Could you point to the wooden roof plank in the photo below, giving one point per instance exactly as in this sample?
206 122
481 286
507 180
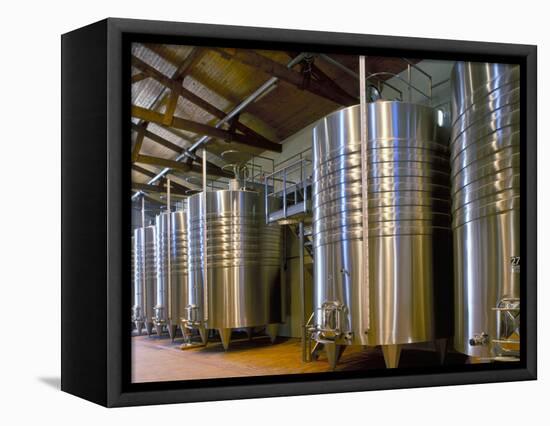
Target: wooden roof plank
202 129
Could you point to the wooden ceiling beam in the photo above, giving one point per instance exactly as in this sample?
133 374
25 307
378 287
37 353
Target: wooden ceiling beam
158 139
156 188
187 65
151 174
202 129
166 143
176 85
180 166
138 77
275 69
325 79
172 103
141 128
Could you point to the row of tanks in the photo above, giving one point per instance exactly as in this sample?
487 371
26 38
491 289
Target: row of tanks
432 206
384 255
215 265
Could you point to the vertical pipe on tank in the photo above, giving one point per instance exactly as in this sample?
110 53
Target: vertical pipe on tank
364 177
302 290
143 285
169 246
204 239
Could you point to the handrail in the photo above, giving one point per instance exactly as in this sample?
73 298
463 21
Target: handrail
282 174
411 86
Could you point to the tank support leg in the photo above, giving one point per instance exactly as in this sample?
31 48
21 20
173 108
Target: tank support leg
341 349
139 326
203 332
158 329
315 351
334 352
225 336
249 331
391 355
440 346
271 330
172 328
149 328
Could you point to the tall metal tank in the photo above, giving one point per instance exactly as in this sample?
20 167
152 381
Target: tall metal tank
242 288
408 208
171 269
145 281
485 150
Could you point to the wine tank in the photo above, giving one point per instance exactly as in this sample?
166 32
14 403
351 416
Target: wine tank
171 270
408 228
145 278
242 287
485 159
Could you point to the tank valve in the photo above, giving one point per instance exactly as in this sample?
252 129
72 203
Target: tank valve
479 339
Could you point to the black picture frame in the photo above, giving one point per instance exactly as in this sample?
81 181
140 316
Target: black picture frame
96 211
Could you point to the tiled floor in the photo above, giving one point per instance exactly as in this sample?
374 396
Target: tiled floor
159 359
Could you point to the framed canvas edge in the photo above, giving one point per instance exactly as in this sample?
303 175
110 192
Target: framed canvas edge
116 396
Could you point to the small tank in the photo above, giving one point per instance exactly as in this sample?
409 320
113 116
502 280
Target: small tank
485 162
242 287
145 278
171 270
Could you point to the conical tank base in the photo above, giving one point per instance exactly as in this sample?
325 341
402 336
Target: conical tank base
149 328
225 336
203 333
440 346
172 328
334 353
392 353
139 326
272 330
158 329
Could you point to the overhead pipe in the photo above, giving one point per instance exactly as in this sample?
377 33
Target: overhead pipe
352 73
251 98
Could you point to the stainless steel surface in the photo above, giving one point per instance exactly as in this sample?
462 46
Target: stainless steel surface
409 224
132 281
409 221
243 259
145 282
364 177
486 199
337 220
171 269
304 337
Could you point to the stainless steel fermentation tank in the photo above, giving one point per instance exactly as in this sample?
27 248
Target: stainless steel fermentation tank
243 256
485 150
408 230
145 280
171 269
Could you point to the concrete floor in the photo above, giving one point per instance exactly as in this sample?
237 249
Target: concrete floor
158 359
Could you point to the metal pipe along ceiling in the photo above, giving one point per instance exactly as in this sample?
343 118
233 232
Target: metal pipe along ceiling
259 91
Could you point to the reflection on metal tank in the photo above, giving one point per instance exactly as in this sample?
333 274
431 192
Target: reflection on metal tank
144 278
171 294
243 277
132 279
408 208
409 223
486 207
